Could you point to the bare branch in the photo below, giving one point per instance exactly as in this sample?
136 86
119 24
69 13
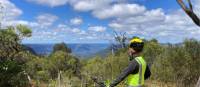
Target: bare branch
181 3
190 4
189 11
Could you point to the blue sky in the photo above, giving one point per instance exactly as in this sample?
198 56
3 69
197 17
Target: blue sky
93 21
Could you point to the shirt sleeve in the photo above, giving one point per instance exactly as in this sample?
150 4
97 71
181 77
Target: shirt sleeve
147 73
132 67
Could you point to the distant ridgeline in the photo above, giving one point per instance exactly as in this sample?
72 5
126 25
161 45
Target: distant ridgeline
79 50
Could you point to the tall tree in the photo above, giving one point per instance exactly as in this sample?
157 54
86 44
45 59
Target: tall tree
10 39
13 57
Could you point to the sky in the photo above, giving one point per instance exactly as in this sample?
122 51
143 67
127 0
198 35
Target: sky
95 21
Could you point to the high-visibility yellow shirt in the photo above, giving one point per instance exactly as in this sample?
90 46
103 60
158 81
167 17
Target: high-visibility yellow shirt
137 80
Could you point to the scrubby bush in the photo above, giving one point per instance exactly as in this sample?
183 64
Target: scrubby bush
13 57
178 64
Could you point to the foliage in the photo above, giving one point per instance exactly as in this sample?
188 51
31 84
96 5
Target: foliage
105 68
10 73
152 49
8 43
10 40
59 64
12 59
170 63
24 31
178 63
61 47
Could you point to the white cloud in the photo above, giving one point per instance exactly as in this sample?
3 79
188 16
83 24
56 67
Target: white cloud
74 33
97 28
76 21
46 20
69 30
17 22
87 5
132 18
9 14
79 5
171 27
52 3
115 25
34 24
197 7
76 30
119 10
62 25
10 11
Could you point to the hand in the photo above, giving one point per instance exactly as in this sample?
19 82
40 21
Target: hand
131 51
101 84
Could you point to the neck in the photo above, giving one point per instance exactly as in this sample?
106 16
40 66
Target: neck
137 54
134 56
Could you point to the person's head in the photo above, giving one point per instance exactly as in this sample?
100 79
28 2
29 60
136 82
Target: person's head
135 46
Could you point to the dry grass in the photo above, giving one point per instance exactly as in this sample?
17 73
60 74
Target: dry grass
159 84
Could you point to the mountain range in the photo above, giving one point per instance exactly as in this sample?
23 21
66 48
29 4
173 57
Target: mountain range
79 50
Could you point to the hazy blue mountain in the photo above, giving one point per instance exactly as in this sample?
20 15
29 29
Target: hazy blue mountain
79 50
